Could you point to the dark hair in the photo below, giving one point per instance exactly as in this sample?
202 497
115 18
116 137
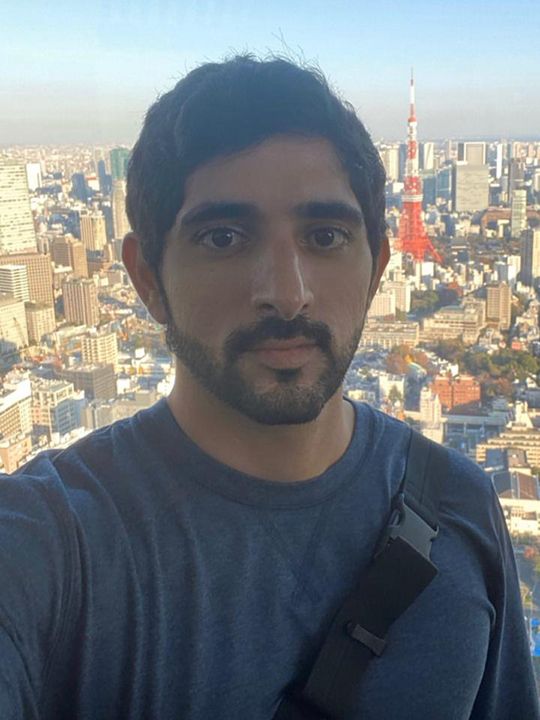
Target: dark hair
222 108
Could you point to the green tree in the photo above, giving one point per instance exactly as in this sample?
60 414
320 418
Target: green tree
451 350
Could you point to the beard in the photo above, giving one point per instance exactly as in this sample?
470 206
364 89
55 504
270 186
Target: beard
291 402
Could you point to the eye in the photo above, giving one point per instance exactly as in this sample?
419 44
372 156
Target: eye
221 238
329 238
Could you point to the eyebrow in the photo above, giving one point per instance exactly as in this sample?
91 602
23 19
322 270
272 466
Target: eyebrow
313 210
219 211
318 210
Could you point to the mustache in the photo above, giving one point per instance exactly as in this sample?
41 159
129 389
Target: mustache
275 328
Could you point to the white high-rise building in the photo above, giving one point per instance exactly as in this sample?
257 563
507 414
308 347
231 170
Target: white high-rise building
120 220
428 156
390 160
431 423
382 305
100 347
17 233
518 212
33 176
93 231
470 187
14 281
473 153
499 158
402 293
40 320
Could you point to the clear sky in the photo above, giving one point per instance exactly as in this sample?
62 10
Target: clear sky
86 72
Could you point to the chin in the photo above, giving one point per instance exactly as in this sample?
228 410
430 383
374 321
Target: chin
295 405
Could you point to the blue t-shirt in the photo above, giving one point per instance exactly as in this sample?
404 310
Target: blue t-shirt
140 578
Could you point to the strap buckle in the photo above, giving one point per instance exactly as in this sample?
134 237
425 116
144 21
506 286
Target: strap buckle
408 525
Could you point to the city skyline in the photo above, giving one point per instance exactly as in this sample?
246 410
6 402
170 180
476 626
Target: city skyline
79 76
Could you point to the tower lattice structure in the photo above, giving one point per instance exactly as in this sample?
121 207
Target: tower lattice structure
412 237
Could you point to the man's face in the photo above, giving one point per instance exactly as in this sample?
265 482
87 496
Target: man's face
265 279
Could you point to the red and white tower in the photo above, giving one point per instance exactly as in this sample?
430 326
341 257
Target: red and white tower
413 238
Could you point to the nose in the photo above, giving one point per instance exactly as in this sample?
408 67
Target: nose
280 282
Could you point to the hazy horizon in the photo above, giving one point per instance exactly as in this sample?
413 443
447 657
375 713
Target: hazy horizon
87 75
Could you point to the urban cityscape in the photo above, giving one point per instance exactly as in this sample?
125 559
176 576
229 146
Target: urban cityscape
451 343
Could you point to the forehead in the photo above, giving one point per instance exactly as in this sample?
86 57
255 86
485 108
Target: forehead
279 173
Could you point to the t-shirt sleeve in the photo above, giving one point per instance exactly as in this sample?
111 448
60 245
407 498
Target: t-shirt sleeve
34 584
508 689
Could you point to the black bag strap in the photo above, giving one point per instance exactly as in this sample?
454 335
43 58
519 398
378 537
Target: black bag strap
400 570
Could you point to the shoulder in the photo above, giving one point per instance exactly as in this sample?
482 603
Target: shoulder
463 476
468 498
57 488
95 457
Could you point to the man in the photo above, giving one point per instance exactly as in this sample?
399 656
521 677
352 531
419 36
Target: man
187 562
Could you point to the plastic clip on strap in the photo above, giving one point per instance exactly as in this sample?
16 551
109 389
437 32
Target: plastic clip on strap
400 571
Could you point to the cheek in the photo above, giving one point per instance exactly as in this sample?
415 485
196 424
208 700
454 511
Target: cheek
203 304
347 304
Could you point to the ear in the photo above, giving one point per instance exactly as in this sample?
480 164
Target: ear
382 261
143 277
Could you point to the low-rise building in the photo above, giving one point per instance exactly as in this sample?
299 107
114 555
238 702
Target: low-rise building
454 322
378 333
455 391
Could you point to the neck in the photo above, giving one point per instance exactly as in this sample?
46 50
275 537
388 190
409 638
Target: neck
273 452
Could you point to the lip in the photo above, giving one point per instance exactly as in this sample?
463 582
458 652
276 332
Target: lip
285 354
291 344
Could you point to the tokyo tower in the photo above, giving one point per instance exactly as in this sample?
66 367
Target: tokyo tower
412 237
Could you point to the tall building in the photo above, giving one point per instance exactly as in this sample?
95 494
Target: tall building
473 153
104 178
40 320
499 160
427 156
390 159
14 281
70 252
402 292
17 233
530 257
518 212
516 175
80 301
106 208
119 161
33 176
429 184
470 187
100 347
120 219
93 231
431 423
499 305
444 183
79 187
13 330
402 154
39 270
